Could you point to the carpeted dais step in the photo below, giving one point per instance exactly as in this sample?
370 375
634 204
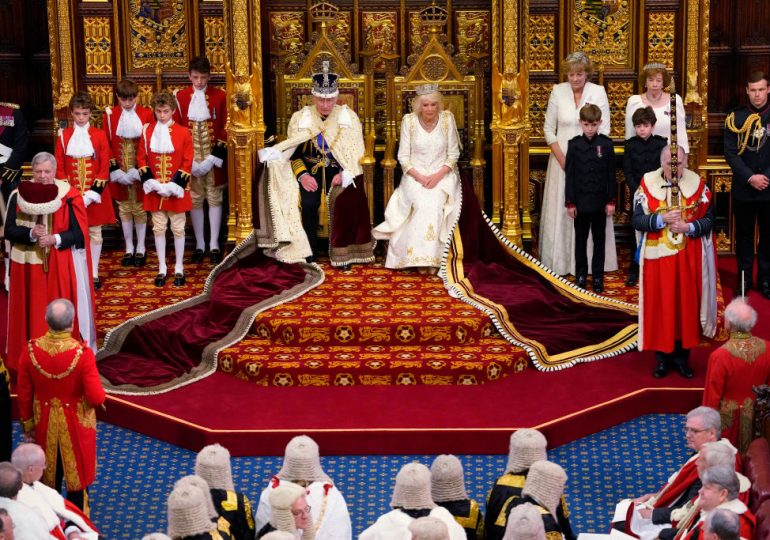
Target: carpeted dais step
262 362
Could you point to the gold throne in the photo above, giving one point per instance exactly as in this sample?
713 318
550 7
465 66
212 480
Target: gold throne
434 62
356 91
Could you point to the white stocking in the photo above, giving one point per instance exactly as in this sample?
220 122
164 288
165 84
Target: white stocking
179 252
215 222
128 234
141 232
160 248
196 215
96 253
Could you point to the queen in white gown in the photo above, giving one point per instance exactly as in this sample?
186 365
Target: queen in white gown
556 246
425 206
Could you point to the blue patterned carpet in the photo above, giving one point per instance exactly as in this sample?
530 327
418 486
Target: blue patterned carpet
136 474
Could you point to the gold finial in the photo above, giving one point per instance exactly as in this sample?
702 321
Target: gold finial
324 12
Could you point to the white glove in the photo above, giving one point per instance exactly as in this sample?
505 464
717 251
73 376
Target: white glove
118 176
173 190
151 185
205 166
132 175
269 153
348 179
91 196
217 162
195 170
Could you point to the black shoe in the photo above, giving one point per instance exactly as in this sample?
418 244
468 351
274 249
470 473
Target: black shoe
97 284
310 259
179 280
197 256
215 256
127 260
660 371
684 370
632 280
581 281
598 285
140 259
345 267
160 280
764 289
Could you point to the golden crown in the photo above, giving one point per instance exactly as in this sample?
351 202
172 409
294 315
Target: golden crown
434 16
324 11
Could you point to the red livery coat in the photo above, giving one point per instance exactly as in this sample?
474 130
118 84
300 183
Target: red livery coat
58 389
110 120
88 173
164 166
216 99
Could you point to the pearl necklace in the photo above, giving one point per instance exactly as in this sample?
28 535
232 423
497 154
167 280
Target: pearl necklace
654 102
426 127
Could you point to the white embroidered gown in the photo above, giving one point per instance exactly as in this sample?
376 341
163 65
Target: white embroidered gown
557 230
418 221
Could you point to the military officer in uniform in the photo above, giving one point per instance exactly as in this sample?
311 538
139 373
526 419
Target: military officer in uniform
13 146
748 154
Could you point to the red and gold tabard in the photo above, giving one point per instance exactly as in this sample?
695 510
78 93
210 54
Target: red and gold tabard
164 166
88 173
124 150
733 369
59 387
209 133
672 273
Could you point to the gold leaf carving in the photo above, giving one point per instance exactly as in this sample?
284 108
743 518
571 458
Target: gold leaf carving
214 40
98 45
542 42
287 34
603 31
617 94
158 33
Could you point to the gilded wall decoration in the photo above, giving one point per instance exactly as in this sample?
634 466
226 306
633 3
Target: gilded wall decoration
380 33
472 31
418 34
214 42
145 94
542 42
660 37
158 33
287 33
98 45
341 32
102 96
603 31
380 108
618 93
536 187
538 103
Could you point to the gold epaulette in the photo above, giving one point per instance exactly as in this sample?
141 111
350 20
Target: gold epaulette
9 105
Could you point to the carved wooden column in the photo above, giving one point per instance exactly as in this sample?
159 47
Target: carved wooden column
60 40
246 126
695 85
389 161
510 119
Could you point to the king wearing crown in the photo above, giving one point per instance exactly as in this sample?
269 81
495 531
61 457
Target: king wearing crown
322 154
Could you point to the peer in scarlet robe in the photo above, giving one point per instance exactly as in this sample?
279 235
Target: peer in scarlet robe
739 364
746 520
58 388
40 275
677 295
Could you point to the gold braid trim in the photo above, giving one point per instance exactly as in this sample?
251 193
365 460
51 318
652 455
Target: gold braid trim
47 375
753 122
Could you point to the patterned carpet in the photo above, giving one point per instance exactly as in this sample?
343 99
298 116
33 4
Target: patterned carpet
128 498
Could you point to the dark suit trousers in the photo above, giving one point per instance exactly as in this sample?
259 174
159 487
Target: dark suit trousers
595 222
747 213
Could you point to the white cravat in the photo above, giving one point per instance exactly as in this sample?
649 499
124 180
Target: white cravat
80 143
199 109
129 124
160 143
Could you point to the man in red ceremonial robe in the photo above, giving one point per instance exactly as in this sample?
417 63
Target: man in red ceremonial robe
739 364
203 109
83 159
164 158
701 426
58 388
46 225
677 293
123 125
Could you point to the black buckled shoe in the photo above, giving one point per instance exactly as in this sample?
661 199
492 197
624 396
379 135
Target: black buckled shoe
140 259
581 281
764 289
160 280
598 285
215 256
97 284
127 260
197 256
179 280
684 370
660 371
